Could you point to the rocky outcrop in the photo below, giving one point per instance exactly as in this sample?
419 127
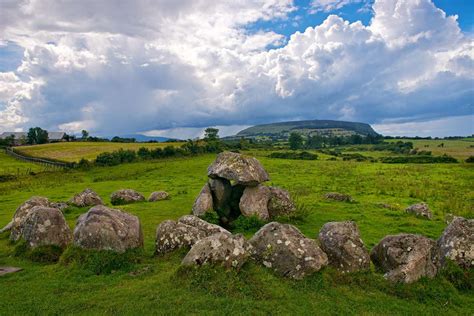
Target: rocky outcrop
172 235
406 257
457 243
285 250
45 226
345 249
103 228
22 212
420 210
254 202
239 168
221 249
280 203
86 198
340 197
203 202
158 196
126 196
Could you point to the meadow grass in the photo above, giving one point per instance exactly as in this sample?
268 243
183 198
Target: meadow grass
457 148
75 151
12 166
159 286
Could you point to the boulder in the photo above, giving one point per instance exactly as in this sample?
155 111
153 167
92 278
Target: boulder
59 205
457 243
222 249
420 209
280 203
203 202
86 198
158 196
254 202
345 249
45 226
283 248
22 212
221 192
172 235
338 197
126 196
238 168
103 228
406 257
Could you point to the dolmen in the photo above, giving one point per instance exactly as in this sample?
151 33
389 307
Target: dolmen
235 187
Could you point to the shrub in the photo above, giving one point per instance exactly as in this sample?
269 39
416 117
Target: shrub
304 155
470 159
246 224
144 153
419 159
211 217
84 164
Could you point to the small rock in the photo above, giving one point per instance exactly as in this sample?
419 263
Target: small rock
103 228
203 203
126 196
338 197
280 203
420 209
219 249
283 248
158 196
457 243
406 257
86 198
7 270
254 201
345 249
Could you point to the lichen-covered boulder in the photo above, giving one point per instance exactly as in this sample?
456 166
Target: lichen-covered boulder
345 249
126 196
172 235
158 196
22 212
45 226
59 205
280 203
406 257
239 168
340 197
88 197
283 248
420 209
203 202
457 243
103 228
229 251
254 202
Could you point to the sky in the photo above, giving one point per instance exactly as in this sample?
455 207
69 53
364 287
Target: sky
174 67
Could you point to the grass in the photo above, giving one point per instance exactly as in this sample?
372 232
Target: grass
91 284
12 166
459 148
74 151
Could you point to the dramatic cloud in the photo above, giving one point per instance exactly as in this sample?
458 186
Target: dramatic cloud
127 66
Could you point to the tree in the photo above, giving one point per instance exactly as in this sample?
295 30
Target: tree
85 134
211 134
296 141
37 135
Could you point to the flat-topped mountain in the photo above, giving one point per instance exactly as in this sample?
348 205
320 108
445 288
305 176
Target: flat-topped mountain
308 128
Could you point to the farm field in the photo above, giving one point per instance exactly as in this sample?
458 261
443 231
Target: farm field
158 286
458 148
12 166
74 151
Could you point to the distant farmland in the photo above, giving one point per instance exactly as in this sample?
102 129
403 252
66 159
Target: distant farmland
458 148
75 151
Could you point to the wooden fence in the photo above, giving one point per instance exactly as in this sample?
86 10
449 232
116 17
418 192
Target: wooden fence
45 162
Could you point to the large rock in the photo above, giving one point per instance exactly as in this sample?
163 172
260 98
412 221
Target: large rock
103 228
219 249
172 235
158 196
239 168
203 202
221 192
406 257
126 196
345 249
457 243
22 212
341 197
254 202
44 226
280 203
283 248
420 209
86 198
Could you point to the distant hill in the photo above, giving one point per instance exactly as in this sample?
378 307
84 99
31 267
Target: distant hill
309 128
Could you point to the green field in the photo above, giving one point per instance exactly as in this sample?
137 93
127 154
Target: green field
74 151
161 288
460 148
12 166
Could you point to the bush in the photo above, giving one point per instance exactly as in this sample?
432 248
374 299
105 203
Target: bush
246 224
304 155
419 159
211 217
144 153
84 164
470 159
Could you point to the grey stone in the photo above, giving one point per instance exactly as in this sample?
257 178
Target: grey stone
203 202
22 212
158 196
7 270
457 243
420 209
280 203
86 198
335 196
126 196
254 202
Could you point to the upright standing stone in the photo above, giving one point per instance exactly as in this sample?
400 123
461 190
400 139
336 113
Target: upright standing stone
457 243
203 202
254 202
